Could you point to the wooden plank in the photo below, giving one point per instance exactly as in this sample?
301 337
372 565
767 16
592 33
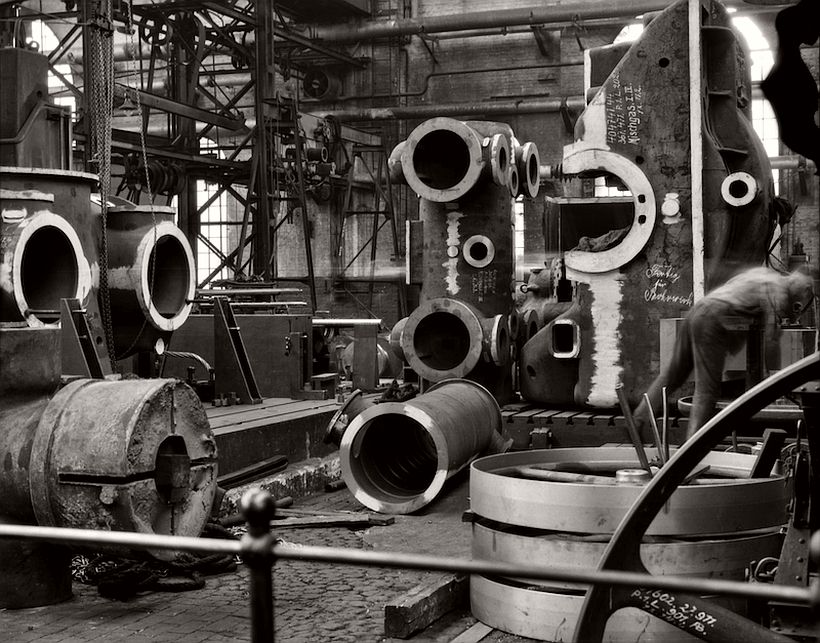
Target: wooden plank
425 603
473 634
268 403
296 409
272 420
333 520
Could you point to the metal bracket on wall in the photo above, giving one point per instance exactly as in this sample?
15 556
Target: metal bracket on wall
79 350
233 368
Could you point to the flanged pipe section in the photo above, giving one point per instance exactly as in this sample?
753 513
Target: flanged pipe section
528 163
739 189
396 456
355 404
151 277
497 339
144 461
497 158
442 159
41 259
443 338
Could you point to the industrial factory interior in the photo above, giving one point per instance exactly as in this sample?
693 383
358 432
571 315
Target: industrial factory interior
442 321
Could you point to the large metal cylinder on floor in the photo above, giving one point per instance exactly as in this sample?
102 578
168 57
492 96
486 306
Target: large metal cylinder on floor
714 530
129 455
151 276
396 456
41 259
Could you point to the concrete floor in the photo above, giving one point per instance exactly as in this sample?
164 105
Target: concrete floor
312 602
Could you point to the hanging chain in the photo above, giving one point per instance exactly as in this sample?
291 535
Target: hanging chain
136 48
100 87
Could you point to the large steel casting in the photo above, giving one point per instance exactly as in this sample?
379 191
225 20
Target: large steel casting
695 206
41 259
151 276
128 455
461 249
396 456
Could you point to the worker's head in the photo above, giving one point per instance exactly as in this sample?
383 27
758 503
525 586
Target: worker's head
801 293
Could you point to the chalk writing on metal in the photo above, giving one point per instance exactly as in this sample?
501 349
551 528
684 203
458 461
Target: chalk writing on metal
682 614
624 112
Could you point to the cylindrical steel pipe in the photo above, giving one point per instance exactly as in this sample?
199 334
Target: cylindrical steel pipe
41 259
396 456
151 276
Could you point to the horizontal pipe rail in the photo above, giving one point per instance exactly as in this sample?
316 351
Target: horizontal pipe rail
243 292
396 560
345 323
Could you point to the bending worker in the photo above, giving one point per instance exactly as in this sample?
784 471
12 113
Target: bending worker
757 295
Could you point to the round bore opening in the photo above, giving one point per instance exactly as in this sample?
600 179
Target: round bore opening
502 159
663 62
168 277
479 251
441 159
738 189
441 341
172 470
532 170
48 273
397 457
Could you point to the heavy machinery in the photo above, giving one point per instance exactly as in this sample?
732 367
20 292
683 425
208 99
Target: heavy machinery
83 446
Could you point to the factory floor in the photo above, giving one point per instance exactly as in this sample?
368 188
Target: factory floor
313 602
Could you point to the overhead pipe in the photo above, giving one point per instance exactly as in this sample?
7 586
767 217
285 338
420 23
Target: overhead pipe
396 456
534 16
472 110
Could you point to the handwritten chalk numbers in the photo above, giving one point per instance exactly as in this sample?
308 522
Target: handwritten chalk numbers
686 616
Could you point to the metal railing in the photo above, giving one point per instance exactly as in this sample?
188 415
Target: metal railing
259 551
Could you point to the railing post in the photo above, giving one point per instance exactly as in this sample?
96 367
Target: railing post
257 546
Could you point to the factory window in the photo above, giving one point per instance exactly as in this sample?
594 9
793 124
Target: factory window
518 237
42 39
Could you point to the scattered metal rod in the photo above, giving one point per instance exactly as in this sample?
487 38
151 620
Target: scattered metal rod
400 560
535 473
692 476
633 431
654 424
665 433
